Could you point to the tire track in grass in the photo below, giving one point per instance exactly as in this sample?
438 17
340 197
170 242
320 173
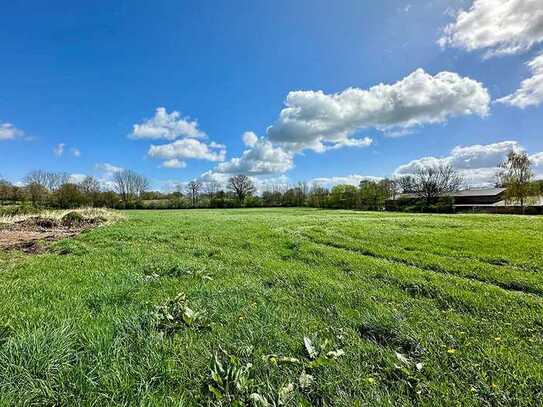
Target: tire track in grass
511 287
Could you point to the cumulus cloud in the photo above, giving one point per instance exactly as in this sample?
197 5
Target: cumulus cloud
261 161
77 178
498 27
187 148
106 172
530 92
75 152
108 169
174 163
537 159
482 156
58 150
212 176
318 121
353 179
260 158
478 164
249 138
9 132
168 126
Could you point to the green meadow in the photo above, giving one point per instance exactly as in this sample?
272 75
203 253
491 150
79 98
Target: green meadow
278 307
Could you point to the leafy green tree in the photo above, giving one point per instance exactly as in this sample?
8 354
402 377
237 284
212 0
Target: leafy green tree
69 196
515 175
373 195
343 196
6 190
37 193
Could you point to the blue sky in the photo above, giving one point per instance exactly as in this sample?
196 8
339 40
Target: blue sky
77 77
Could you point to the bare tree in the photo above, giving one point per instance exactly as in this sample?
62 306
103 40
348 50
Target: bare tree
193 189
406 184
302 190
89 185
433 182
242 186
46 179
57 179
211 188
389 188
129 184
90 188
140 185
37 177
318 195
515 175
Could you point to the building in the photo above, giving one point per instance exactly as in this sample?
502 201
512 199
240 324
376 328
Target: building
490 200
493 200
476 197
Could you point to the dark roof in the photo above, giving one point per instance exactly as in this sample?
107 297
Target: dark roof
464 193
533 201
478 192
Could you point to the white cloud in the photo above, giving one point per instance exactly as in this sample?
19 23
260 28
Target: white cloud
212 176
352 142
482 156
108 169
105 178
168 126
353 179
261 161
478 164
77 178
174 163
530 92
9 132
498 27
537 159
58 150
75 152
187 148
260 158
318 121
270 183
249 138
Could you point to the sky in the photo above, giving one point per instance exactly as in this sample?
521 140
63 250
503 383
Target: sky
283 91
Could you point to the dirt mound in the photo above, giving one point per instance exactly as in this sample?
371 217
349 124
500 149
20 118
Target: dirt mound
29 235
72 219
37 222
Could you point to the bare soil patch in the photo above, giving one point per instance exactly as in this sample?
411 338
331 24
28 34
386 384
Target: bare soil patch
32 234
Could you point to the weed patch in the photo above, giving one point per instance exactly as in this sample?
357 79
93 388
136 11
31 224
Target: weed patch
175 315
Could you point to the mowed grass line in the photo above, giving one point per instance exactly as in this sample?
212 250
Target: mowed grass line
457 294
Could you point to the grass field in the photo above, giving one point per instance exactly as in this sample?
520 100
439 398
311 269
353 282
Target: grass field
396 309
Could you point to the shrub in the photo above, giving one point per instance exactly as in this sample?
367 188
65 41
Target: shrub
18 210
72 219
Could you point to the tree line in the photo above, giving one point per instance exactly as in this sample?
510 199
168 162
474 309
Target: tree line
425 190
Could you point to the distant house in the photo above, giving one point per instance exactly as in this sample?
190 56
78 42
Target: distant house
477 197
493 200
483 200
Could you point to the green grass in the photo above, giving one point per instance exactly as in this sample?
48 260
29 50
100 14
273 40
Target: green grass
461 295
